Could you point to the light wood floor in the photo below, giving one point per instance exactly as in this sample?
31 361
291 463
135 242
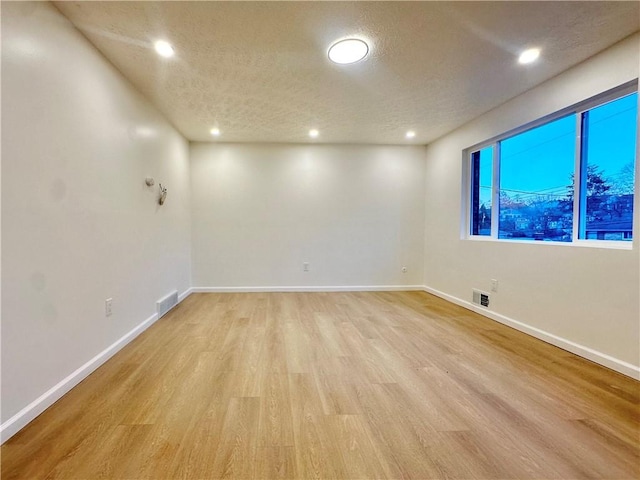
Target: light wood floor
335 386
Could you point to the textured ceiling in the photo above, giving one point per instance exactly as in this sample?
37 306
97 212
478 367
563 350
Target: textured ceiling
259 70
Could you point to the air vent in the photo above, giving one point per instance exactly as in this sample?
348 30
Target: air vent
480 298
167 303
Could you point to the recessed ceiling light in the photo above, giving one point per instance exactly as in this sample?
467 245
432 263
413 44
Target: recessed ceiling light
164 49
215 132
529 56
347 51
410 134
313 133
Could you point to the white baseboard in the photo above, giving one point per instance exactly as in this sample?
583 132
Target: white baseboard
185 294
351 288
603 359
44 401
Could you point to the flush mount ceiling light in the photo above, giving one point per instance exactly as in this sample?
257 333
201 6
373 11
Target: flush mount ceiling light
163 48
410 134
313 133
347 51
529 56
215 132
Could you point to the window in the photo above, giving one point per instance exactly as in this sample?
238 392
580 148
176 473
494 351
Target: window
607 170
567 179
481 167
535 168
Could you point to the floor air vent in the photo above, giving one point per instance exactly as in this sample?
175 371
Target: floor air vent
167 303
480 298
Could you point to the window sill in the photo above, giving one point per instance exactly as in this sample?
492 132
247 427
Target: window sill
611 245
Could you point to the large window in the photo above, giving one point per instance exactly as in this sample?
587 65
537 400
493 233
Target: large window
567 179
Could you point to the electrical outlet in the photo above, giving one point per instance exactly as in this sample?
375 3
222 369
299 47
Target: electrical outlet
494 285
305 267
404 269
108 307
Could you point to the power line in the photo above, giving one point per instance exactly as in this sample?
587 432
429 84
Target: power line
572 133
559 136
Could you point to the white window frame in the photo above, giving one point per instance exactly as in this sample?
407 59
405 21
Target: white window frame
578 212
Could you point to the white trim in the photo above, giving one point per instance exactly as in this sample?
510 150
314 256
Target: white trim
581 243
495 190
345 288
579 183
184 294
600 358
48 398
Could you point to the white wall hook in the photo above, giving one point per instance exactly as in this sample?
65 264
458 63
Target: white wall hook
163 195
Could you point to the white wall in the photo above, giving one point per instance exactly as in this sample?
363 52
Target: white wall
79 225
588 296
354 213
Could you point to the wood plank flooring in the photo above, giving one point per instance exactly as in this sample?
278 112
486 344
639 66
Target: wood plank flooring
367 385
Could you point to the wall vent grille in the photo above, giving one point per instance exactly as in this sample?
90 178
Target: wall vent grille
167 303
480 298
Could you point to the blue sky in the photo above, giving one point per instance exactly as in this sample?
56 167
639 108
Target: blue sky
550 151
486 161
612 135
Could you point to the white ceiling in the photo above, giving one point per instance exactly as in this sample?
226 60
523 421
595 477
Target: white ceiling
259 70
